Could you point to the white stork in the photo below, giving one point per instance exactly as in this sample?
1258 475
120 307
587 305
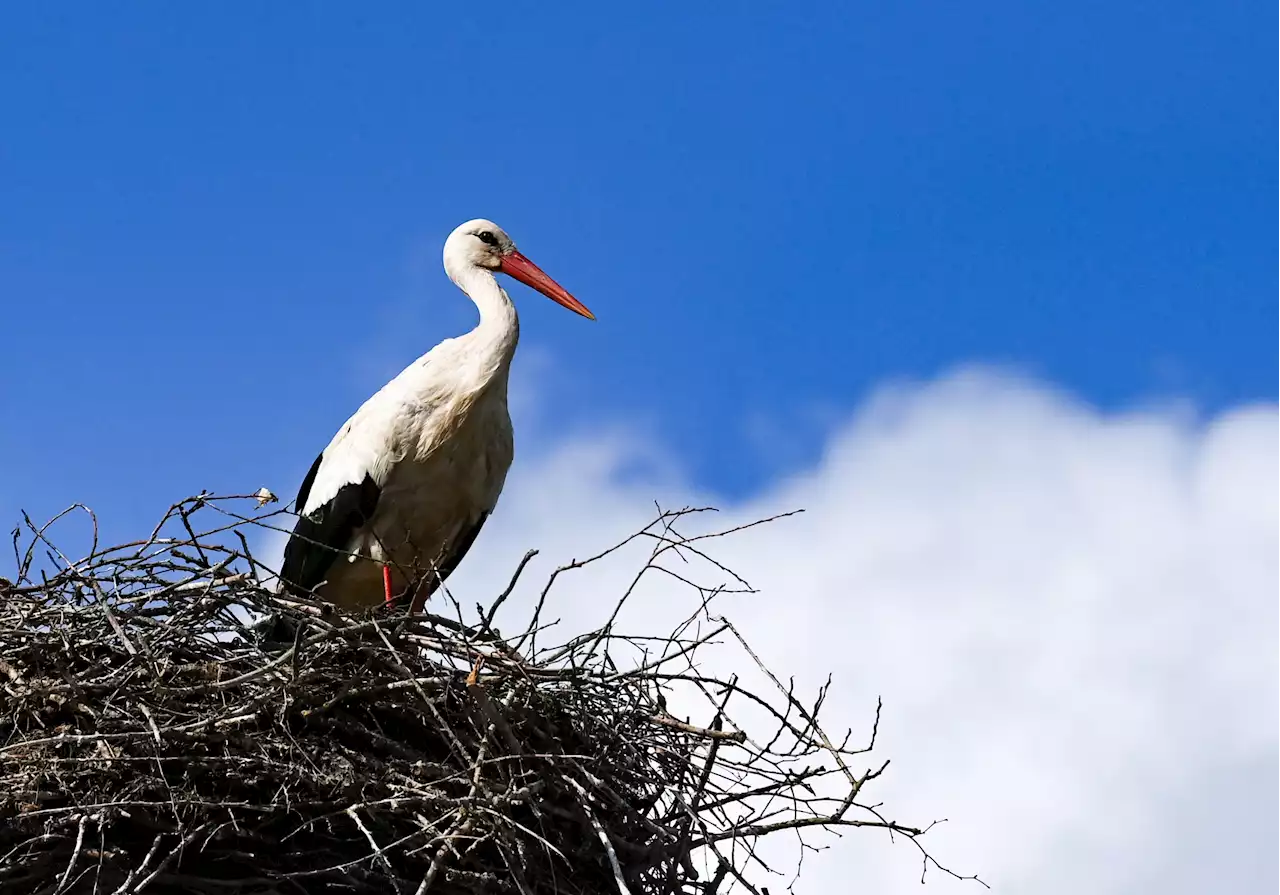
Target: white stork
394 502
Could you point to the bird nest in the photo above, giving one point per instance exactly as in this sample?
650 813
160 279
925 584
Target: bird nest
153 739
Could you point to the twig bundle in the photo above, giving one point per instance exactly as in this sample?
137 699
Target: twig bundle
151 740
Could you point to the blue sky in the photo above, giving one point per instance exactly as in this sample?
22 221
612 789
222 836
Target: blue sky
216 217
222 225
989 290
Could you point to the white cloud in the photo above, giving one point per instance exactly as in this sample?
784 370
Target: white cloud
1071 617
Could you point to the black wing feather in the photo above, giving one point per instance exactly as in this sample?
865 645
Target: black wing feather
445 569
449 563
319 536
307 481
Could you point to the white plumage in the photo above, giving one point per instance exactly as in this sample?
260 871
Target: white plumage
393 503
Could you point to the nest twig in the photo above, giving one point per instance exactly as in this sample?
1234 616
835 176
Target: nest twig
151 739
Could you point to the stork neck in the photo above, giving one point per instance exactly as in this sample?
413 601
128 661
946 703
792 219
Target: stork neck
499 328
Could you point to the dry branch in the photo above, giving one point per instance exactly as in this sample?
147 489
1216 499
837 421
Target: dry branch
151 740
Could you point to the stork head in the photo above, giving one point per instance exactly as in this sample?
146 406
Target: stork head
483 244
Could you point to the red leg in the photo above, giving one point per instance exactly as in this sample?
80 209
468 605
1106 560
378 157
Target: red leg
386 582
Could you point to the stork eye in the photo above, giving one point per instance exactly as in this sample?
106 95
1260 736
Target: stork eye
487 238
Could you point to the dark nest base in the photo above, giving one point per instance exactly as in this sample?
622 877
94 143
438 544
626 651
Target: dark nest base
150 742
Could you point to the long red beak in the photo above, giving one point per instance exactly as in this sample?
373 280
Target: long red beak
521 268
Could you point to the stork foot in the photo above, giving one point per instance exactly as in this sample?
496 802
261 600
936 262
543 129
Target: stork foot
474 677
